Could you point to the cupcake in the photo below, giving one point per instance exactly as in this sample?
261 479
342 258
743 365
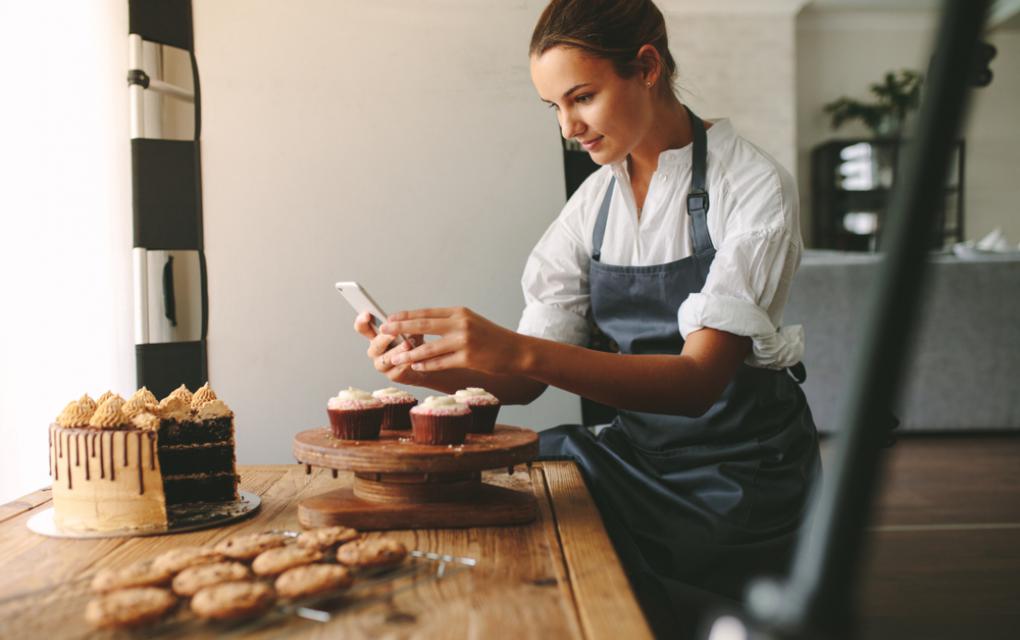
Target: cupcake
396 407
355 415
440 420
484 408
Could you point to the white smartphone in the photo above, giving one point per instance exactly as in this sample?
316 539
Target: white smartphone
359 299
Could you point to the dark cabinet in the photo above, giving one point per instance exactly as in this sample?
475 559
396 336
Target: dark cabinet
851 182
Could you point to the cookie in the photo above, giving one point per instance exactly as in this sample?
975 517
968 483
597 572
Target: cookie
377 552
193 579
248 546
232 600
326 537
313 579
274 561
129 607
178 560
139 574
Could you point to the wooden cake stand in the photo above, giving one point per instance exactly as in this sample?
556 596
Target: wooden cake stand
402 485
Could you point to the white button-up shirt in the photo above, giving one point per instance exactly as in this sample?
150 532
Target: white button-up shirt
753 221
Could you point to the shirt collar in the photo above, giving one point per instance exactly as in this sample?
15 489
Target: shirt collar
672 159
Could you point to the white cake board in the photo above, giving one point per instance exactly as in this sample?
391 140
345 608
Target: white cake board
183 517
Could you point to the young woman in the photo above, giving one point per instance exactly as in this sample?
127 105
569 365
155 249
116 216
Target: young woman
681 249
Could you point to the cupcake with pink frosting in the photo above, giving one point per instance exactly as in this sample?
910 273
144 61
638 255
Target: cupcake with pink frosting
396 407
484 408
355 415
440 420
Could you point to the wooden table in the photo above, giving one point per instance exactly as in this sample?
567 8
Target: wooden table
557 577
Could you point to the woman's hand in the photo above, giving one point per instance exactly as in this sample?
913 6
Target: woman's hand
381 354
466 341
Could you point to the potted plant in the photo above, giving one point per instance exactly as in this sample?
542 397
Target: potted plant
896 96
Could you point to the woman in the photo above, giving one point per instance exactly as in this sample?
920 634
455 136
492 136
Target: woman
681 248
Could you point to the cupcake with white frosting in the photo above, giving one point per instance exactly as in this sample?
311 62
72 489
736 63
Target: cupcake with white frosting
484 408
355 415
440 420
396 407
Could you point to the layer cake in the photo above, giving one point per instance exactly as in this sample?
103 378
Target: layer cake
118 464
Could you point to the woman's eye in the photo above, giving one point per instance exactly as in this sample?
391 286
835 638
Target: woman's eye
553 105
583 98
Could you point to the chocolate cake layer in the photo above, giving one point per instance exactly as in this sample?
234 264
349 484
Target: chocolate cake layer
214 430
200 487
196 458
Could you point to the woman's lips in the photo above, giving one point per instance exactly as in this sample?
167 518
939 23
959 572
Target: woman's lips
591 144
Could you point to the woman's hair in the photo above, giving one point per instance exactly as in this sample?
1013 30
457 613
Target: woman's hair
609 29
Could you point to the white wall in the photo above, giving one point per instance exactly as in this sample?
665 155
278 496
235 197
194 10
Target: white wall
65 202
737 60
397 144
841 52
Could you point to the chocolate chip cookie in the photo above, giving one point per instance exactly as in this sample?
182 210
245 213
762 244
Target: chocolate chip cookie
326 537
274 561
177 560
232 600
193 579
248 546
139 574
312 579
129 607
376 552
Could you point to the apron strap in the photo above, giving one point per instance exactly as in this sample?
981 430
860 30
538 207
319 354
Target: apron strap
697 196
600 222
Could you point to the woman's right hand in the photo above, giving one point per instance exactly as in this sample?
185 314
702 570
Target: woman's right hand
380 353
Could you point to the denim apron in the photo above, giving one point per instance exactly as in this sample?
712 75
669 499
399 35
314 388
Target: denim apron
694 506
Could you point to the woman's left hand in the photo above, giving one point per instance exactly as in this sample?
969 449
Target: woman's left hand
466 341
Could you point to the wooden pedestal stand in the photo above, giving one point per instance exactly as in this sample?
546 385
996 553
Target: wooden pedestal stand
402 485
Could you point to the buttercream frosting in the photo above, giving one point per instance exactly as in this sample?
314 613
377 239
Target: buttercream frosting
108 414
74 415
203 395
214 409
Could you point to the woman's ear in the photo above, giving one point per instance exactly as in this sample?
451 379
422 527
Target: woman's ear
650 64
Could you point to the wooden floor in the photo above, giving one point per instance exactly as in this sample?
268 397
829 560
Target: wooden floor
944 550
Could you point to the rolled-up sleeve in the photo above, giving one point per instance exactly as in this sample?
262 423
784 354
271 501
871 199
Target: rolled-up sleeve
555 285
744 294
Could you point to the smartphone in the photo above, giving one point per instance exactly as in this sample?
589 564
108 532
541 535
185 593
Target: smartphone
359 299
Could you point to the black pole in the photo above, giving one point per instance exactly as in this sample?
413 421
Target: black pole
818 598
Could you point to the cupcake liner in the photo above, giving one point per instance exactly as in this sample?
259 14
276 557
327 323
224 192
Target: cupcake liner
397 416
483 417
433 429
356 424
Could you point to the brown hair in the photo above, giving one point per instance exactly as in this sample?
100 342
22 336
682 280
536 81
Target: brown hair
609 29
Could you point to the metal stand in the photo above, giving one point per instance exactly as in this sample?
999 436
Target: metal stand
817 600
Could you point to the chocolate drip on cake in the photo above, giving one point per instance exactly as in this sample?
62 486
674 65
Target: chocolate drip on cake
126 452
102 459
113 465
141 481
93 439
77 450
68 461
87 465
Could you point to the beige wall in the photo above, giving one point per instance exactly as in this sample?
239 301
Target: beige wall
842 52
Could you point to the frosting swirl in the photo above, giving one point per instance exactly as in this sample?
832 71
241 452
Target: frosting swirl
442 405
87 403
181 392
108 414
352 394
74 415
175 408
215 408
146 395
146 421
137 405
475 395
203 395
106 396
392 393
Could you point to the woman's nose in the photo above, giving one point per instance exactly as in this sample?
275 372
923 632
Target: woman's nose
570 125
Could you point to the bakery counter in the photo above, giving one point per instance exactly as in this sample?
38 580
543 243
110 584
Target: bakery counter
555 577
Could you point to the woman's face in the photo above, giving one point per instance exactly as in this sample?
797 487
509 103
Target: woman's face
607 114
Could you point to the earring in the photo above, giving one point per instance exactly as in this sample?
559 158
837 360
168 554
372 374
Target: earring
648 84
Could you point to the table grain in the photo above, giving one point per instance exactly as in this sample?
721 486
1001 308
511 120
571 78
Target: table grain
555 577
